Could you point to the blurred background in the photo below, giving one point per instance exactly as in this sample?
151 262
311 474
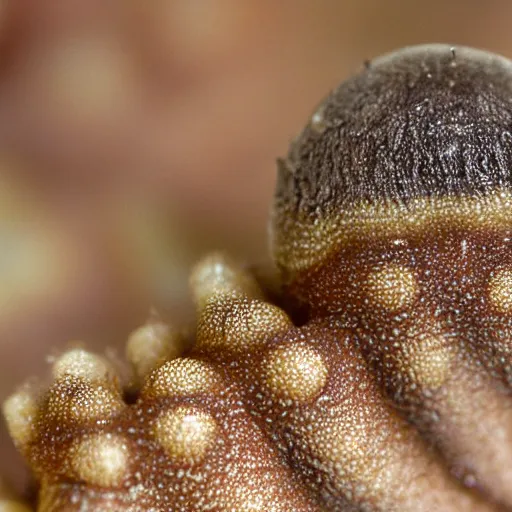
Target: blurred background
137 135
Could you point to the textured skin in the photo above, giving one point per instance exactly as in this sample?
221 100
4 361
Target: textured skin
385 387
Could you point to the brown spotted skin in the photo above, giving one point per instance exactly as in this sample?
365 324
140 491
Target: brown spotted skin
439 344
459 283
406 171
391 231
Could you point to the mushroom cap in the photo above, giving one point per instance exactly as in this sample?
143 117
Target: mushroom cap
423 121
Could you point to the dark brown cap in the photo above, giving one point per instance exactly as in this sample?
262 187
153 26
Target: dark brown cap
425 121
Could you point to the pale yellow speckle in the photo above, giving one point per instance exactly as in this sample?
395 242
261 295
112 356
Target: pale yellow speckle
101 459
392 287
500 291
182 376
20 411
295 371
318 122
341 438
186 433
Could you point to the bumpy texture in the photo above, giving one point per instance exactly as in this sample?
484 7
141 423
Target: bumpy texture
386 383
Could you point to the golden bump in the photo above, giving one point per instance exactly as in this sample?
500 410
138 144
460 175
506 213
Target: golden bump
186 433
20 411
392 287
428 361
151 345
182 377
295 371
240 324
75 401
82 364
101 459
500 291
217 275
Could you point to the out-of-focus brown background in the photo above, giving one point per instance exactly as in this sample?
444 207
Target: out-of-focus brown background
136 135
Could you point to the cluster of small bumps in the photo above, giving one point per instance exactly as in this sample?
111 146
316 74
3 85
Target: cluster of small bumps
188 442
236 425
392 394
